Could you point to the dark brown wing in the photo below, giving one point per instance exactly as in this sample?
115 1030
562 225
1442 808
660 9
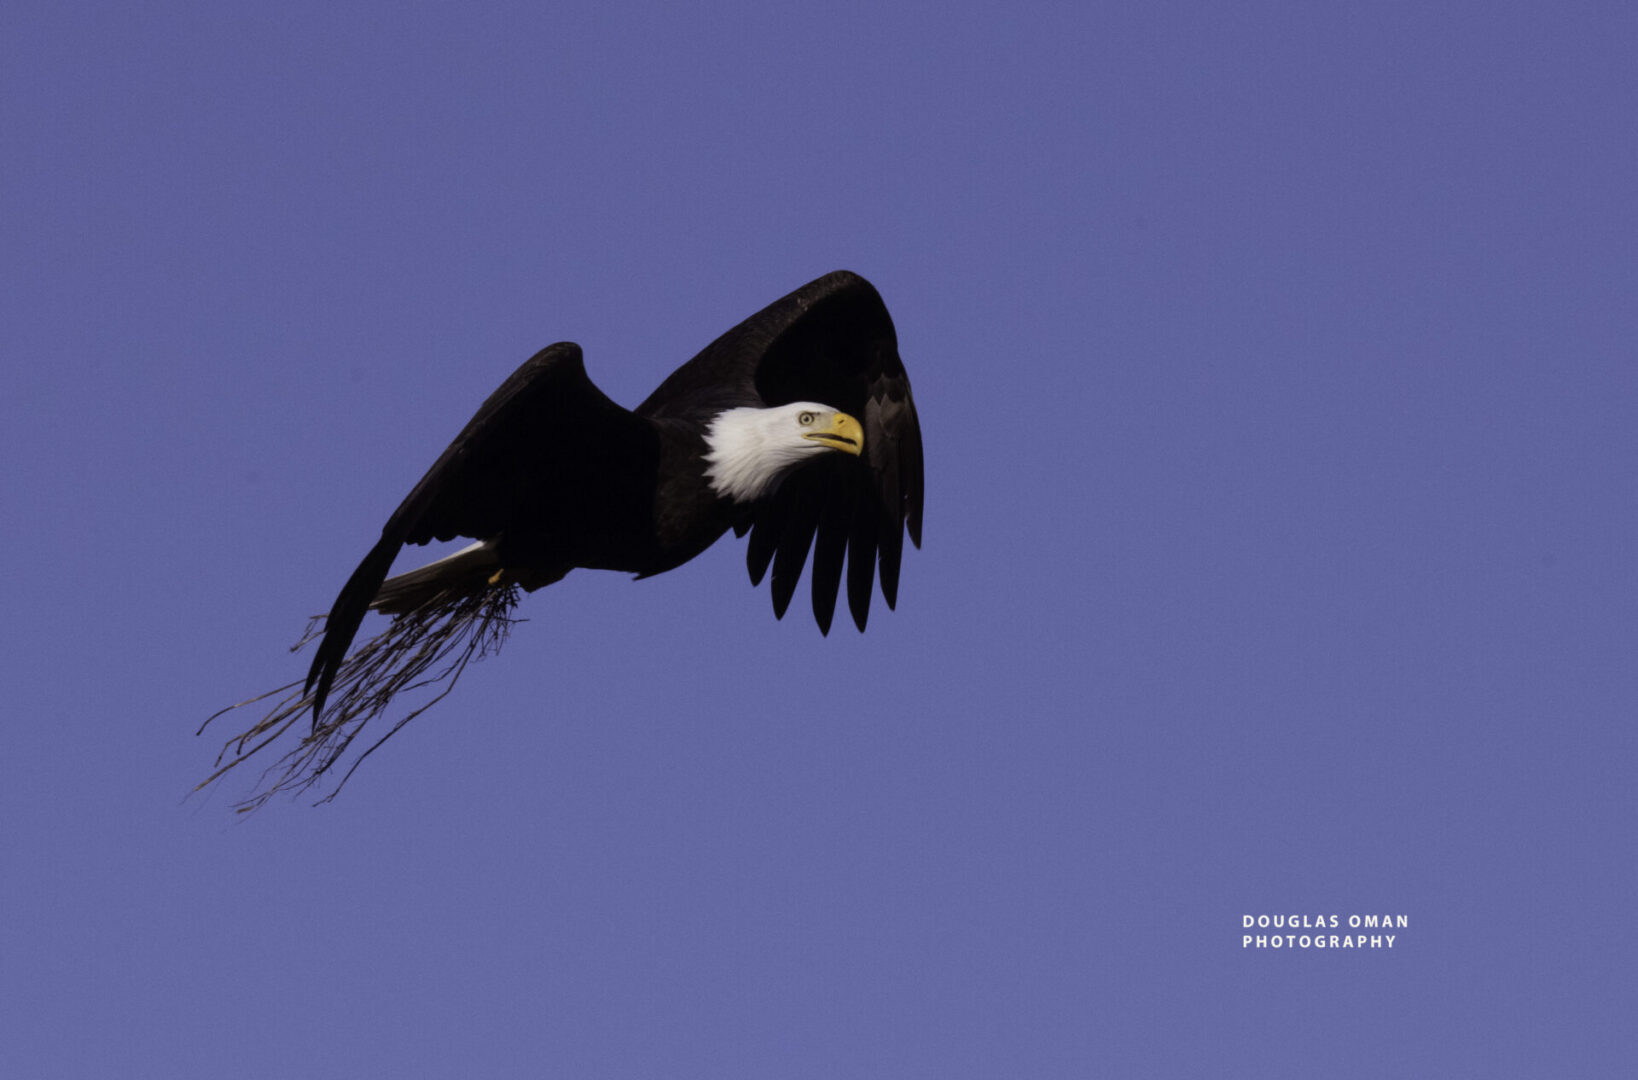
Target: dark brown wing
831 341
526 448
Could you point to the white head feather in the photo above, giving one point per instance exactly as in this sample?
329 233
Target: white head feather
748 450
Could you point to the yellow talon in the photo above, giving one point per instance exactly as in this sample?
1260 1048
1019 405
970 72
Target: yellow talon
495 578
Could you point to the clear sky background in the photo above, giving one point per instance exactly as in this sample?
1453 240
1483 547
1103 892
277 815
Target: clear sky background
1276 367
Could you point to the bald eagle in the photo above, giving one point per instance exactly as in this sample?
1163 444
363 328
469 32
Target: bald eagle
795 427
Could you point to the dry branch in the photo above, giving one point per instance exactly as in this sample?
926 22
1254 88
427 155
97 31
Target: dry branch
440 637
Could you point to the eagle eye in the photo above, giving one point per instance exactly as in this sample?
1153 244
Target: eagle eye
805 418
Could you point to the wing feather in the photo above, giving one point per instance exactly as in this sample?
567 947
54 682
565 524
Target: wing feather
504 461
800 520
829 549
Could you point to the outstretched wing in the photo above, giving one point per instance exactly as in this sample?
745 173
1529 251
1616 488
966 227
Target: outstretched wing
514 457
831 341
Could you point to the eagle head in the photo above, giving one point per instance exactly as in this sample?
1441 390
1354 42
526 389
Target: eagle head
748 450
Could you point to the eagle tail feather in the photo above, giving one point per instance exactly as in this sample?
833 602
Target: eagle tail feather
466 570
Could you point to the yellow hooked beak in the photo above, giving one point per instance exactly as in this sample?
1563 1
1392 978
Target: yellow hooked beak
844 433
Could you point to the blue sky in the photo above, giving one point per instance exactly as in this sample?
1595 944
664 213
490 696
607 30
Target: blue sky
1276 371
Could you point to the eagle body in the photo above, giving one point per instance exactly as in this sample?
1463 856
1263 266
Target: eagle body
796 428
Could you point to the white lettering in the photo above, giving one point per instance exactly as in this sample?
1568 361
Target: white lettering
1319 941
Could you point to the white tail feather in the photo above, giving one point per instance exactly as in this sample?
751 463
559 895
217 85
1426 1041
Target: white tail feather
470 566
